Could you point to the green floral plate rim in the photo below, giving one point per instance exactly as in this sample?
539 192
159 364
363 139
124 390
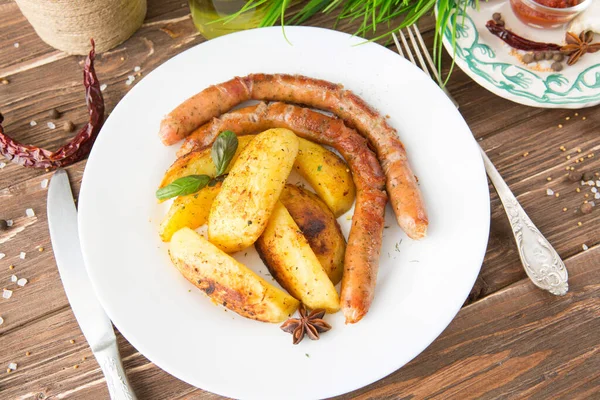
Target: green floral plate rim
494 65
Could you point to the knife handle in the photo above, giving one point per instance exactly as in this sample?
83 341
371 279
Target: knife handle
112 367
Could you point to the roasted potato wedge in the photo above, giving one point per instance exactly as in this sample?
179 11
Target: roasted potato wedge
317 223
328 174
199 163
188 211
293 264
228 282
241 210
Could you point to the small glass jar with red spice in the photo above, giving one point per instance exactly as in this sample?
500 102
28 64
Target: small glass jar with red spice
548 13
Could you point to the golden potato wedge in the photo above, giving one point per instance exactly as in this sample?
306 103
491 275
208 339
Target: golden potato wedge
328 174
241 210
199 163
317 223
188 211
227 281
293 264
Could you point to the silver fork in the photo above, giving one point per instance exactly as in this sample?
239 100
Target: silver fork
542 263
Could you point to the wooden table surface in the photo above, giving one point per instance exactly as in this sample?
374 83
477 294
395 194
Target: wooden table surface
510 340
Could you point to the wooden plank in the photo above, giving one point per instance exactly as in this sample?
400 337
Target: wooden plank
527 176
57 368
16 29
518 341
24 100
43 294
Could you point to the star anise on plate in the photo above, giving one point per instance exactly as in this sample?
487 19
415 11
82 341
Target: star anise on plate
308 324
577 46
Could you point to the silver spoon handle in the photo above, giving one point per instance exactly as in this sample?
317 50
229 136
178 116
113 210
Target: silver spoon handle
541 262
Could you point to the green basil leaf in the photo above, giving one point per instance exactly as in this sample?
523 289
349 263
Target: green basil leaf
223 150
183 186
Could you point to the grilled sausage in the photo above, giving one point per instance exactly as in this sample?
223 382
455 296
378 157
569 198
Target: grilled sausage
401 183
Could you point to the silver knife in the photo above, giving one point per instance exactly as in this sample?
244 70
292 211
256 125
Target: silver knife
93 321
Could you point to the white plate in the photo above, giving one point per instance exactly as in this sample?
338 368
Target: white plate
494 65
421 285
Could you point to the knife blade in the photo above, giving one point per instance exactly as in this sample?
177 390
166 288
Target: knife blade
93 321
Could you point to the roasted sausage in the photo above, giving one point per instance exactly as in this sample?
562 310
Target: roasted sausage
361 261
401 183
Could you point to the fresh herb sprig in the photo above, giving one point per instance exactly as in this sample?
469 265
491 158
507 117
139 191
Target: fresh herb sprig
222 153
378 17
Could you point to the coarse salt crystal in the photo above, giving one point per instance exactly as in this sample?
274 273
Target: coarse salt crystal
9 222
2 255
12 366
128 83
16 45
103 87
2 165
597 196
29 212
33 123
549 192
137 69
593 203
594 189
22 282
131 78
14 278
6 293
51 125
44 184
584 247
590 183
22 255
1 320
597 183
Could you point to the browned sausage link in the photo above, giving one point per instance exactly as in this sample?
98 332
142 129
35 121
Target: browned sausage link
200 108
402 185
361 261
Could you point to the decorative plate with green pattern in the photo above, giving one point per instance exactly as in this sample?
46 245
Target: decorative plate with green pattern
498 68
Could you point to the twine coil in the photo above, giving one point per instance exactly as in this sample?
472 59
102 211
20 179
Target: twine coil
68 25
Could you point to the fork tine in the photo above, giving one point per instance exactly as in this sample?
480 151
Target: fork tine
419 56
398 45
407 47
426 53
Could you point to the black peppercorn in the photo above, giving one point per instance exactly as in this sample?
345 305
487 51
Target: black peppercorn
556 66
575 176
586 208
588 176
68 126
54 114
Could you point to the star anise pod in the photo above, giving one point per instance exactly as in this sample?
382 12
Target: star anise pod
577 46
308 324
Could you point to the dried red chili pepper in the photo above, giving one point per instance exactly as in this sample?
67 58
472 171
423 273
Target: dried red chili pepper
79 146
518 42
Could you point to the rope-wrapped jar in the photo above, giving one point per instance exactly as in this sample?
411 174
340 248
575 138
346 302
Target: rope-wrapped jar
68 25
